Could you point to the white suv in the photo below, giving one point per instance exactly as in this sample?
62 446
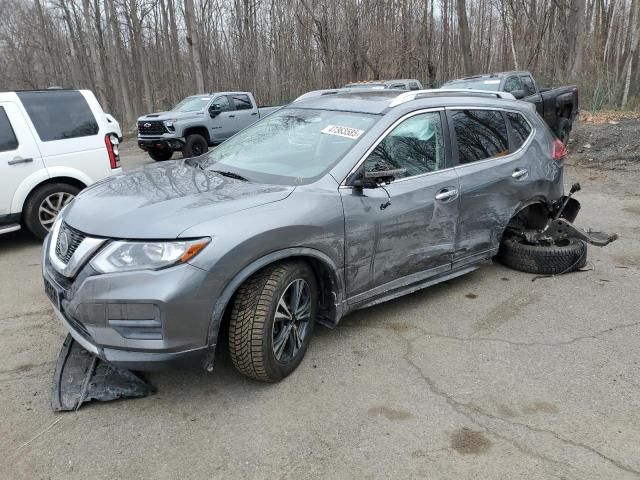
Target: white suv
53 143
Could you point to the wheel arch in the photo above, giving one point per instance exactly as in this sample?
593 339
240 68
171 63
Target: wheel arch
532 214
37 180
199 130
328 275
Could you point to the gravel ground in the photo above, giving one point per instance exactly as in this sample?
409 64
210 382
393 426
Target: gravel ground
487 376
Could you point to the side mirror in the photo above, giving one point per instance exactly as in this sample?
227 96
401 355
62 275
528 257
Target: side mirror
518 94
214 111
383 176
364 183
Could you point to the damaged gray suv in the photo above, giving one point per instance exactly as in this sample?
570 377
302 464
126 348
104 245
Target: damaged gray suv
333 203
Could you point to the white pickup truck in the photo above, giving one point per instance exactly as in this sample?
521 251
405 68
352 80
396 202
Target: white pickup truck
53 143
198 122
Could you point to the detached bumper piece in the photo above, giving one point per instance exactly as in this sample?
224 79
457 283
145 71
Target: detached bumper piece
82 377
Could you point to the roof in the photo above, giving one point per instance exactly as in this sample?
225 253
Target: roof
497 75
379 101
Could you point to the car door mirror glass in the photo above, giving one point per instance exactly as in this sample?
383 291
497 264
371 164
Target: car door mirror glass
214 111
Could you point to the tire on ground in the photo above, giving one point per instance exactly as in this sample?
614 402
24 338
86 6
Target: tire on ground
252 317
194 146
32 206
160 155
568 256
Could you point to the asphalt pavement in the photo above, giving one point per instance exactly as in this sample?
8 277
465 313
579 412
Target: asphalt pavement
491 375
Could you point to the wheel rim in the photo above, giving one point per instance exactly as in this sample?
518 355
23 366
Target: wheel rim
291 320
197 149
51 206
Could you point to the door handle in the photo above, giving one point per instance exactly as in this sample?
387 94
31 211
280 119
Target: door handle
519 173
254 113
446 194
231 116
18 160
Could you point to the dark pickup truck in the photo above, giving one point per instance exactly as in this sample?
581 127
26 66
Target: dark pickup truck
558 106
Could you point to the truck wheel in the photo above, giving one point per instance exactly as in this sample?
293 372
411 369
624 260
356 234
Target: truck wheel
568 255
564 130
195 146
272 321
43 205
160 155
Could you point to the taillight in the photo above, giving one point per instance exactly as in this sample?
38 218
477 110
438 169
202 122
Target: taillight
559 151
111 141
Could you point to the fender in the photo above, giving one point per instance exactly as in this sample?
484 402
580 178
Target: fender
42 175
223 300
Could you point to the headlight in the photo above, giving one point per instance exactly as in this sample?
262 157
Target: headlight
169 123
123 256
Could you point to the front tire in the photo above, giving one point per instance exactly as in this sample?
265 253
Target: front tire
272 321
160 155
195 145
44 204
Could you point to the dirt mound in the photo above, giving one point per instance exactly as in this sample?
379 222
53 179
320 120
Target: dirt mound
609 143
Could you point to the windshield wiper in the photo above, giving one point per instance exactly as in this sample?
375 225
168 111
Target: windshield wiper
231 175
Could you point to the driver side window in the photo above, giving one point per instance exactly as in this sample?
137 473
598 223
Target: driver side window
221 103
511 84
415 145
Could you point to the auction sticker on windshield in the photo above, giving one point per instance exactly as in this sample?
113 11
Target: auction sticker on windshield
346 132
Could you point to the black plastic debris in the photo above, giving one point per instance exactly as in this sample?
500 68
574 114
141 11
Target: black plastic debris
82 377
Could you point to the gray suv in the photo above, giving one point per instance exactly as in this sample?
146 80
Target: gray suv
329 205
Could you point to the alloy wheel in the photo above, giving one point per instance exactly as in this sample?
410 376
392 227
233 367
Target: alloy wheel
291 320
51 206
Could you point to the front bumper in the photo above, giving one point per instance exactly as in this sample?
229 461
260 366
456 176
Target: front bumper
161 143
137 320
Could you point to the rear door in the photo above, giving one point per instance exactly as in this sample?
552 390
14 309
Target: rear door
246 111
19 155
404 231
494 175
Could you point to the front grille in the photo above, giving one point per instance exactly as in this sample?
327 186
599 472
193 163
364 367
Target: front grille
151 127
73 239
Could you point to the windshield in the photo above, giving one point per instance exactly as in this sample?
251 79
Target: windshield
475 84
193 103
292 146
365 85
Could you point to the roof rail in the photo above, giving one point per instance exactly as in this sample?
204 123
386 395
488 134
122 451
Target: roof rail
414 94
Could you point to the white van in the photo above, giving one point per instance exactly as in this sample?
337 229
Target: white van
53 143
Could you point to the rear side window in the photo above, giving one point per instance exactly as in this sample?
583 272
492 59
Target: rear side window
520 129
8 140
480 134
59 115
242 102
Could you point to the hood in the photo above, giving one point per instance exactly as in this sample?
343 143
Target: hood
160 201
170 115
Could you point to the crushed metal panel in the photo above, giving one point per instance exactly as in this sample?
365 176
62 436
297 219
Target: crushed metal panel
82 377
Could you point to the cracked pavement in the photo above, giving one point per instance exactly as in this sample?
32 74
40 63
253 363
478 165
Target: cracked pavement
490 375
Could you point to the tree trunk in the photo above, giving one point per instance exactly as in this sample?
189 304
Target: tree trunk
193 44
465 37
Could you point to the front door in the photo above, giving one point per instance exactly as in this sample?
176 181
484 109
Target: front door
223 125
402 232
19 155
246 113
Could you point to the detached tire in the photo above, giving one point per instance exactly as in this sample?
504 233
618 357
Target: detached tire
160 155
195 146
272 321
44 203
569 256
